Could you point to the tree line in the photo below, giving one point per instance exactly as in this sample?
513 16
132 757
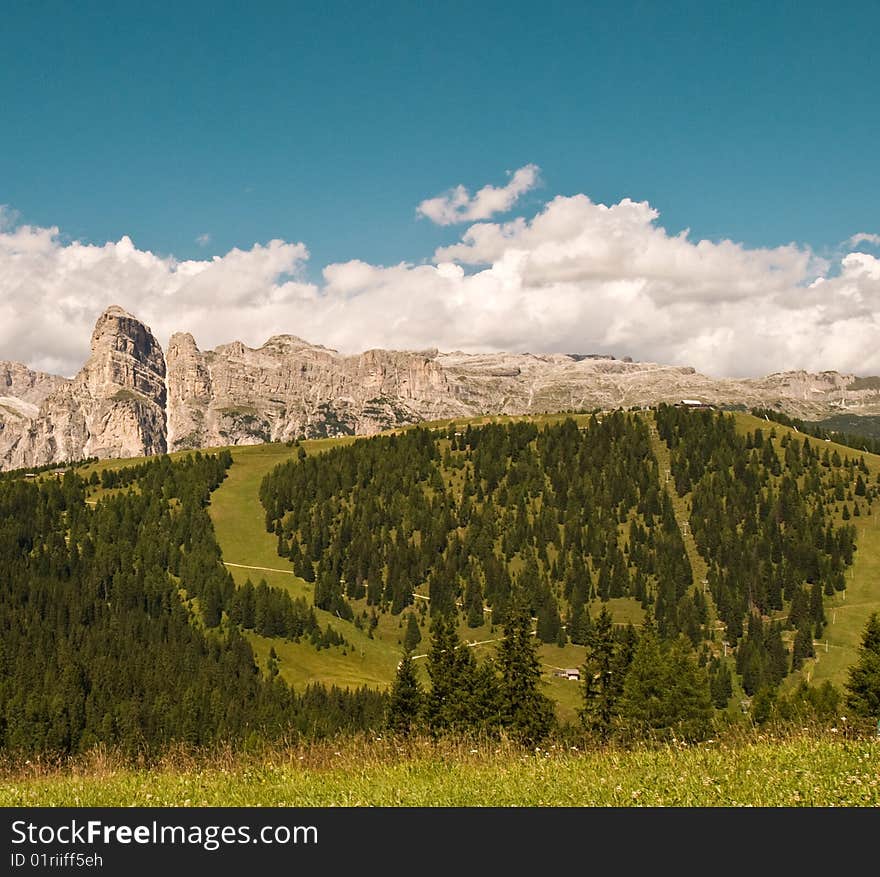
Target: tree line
851 440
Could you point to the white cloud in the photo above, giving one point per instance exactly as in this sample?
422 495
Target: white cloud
458 205
203 239
52 292
576 277
864 237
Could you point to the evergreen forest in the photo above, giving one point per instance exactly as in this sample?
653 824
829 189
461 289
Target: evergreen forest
472 520
122 625
117 622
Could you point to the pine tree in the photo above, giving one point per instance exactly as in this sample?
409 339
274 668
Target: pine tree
451 670
525 711
486 715
817 610
863 684
413 635
407 698
599 686
579 624
803 646
643 706
549 623
272 663
721 685
473 602
687 693
212 605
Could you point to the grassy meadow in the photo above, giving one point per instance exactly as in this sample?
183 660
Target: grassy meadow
250 552
806 770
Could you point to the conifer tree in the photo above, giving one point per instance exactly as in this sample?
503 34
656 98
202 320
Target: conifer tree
413 635
549 623
473 602
407 698
665 692
600 687
642 707
212 605
721 685
525 711
272 663
486 715
803 646
863 684
451 669
579 623
690 703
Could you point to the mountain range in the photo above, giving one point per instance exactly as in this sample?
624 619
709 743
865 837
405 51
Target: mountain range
132 399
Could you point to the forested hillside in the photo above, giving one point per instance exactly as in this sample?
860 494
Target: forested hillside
770 517
726 542
566 515
570 514
113 621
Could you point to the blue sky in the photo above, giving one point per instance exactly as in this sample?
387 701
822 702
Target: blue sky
328 123
134 138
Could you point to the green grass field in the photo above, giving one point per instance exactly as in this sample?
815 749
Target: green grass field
239 522
804 771
848 612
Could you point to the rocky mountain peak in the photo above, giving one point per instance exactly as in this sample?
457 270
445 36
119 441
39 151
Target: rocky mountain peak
118 404
117 329
17 381
125 356
114 407
287 343
182 341
115 311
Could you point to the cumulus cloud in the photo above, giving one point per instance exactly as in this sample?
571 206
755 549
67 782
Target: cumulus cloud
458 205
576 277
864 237
51 293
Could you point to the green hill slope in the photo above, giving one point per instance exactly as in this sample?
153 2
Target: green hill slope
239 521
848 611
372 647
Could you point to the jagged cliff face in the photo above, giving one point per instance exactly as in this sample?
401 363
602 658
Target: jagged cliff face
524 383
114 407
288 388
21 392
117 406
19 382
